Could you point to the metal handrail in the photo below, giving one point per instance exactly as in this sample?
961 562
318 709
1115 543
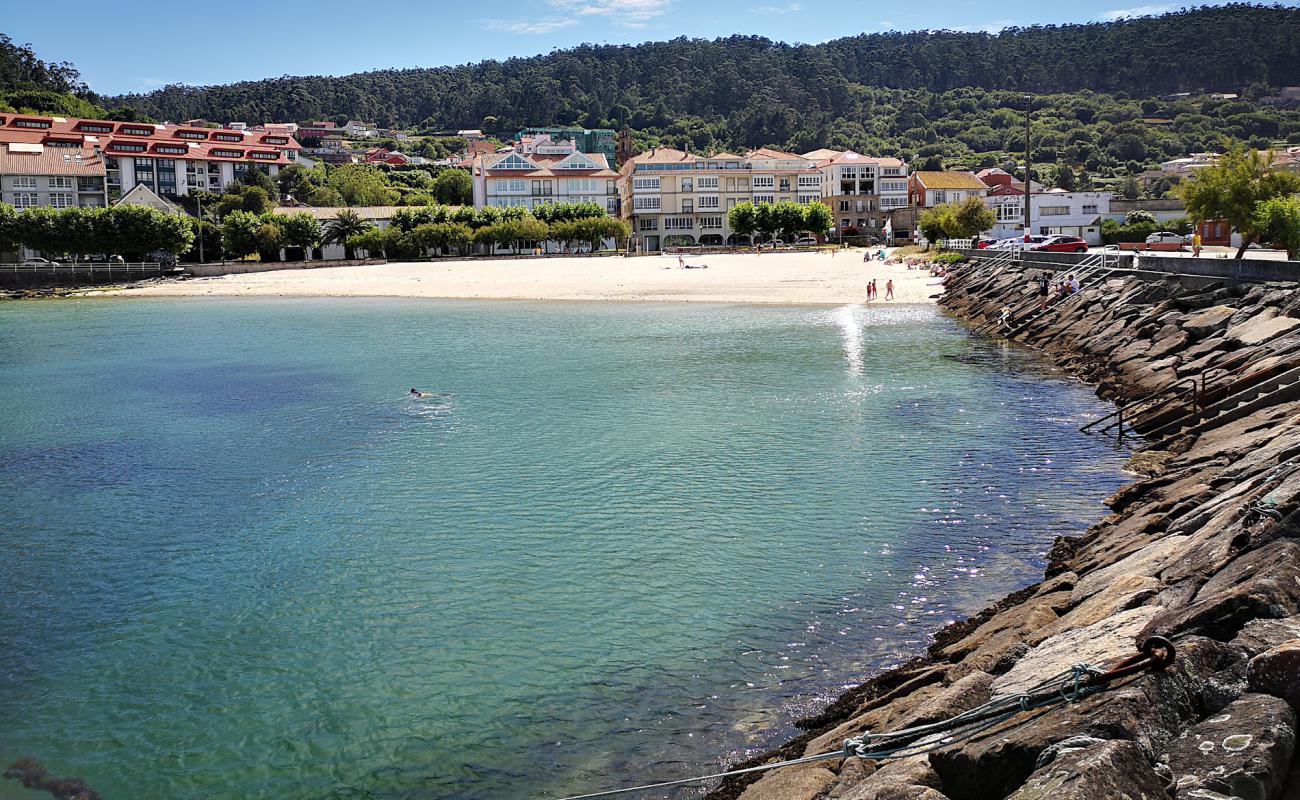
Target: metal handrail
1172 392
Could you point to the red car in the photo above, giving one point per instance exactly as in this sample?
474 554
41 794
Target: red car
984 242
1062 244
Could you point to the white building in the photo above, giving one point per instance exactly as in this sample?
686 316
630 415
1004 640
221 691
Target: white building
860 190
1055 211
503 180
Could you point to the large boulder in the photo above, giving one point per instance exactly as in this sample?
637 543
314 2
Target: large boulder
1108 639
791 783
1243 751
1261 327
905 779
1107 771
1261 583
1276 671
1259 635
1207 321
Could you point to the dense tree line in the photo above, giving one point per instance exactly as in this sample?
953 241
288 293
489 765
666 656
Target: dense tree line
767 91
136 233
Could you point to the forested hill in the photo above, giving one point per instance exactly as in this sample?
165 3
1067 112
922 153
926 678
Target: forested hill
1212 48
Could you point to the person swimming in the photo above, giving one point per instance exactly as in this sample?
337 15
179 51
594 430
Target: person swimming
416 393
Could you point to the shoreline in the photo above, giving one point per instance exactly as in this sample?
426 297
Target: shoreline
1181 555
785 279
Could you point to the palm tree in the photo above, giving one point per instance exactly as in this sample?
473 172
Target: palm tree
342 228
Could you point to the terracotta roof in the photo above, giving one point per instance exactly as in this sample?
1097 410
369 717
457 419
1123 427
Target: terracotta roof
850 157
720 156
950 180
124 138
780 155
662 155
823 154
23 158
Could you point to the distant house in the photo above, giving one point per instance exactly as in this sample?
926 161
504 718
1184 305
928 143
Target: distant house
358 129
142 195
472 134
929 189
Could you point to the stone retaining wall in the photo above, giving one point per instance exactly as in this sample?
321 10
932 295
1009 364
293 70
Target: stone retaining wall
1204 548
210 270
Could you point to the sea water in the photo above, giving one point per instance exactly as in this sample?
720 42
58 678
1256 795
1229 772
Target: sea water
616 544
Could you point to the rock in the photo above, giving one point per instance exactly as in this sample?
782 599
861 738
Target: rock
1128 592
986 644
1113 769
1276 671
1262 634
1243 752
1261 583
852 772
905 779
962 695
1150 463
1149 561
1108 639
1150 710
1207 321
1261 328
791 783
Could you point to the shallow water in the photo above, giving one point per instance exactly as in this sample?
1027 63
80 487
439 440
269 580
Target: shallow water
623 543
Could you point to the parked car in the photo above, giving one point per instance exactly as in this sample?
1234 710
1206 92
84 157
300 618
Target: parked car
1168 237
805 241
1014 241
1062 244
985 242
37 261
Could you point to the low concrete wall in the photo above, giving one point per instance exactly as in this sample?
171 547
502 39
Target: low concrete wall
1246 270
241 267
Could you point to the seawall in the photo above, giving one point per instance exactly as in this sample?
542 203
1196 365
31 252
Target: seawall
1204 549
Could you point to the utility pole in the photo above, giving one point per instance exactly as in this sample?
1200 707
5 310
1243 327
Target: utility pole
199 199
1029 172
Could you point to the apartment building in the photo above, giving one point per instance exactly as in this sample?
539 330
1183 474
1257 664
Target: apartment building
33 174
592 141
168 159
674 198
861 191
512 178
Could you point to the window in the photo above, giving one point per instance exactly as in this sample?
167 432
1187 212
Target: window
1054 211
24 182
764 181
645 203
711 223
844 205
785 184
810 180
192 134
844 223
62 143
542 189
129 130
227 137
764 198
31 123
275 140
893 202
171 148
61 182
651 224
62 200
708 182
228 153
893 186
646 184
688 205
1089 209
712 201
90 184
89 127
583 185
809 198
939 196
126 147
1008 212
24 199
266 156
848 173
688 184
678 223
513 186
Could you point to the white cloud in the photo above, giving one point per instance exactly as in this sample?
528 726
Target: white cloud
527 25
628 13
788 8
1139 11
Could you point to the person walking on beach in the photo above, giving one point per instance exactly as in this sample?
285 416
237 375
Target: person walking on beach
681 261
889 289
1196 244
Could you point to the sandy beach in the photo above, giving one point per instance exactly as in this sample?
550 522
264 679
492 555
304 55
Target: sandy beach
775 278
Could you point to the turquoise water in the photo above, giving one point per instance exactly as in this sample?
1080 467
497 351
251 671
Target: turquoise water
625 543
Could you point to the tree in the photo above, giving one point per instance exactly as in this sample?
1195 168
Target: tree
1277 220
324 197
968 219
239 233
300 230
253 199
343 228
932 224
8 229
446 236
298 182
270 238
788 218
818 218
1129 189
742 220
1233 188
454 187
1065 177
362 185
256 176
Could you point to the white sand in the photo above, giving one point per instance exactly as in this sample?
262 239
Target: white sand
780 278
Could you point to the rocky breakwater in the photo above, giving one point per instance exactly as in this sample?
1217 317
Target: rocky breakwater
1203 549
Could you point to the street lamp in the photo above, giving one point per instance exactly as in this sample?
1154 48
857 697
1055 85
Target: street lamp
1029 173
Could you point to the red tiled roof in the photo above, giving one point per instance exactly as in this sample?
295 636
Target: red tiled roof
90 133
49 161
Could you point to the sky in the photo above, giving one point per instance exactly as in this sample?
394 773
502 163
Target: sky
140 45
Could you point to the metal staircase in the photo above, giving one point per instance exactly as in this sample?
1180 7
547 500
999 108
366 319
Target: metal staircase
1239 402
1089 272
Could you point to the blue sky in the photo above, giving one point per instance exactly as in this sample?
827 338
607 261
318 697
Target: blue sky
138 45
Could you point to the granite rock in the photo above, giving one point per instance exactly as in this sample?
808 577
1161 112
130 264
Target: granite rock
1107 771
1242 751
1276 671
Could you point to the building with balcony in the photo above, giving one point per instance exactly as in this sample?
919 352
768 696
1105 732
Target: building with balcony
592 141
861 191
1055 211
509 179
33 174
673 198
168 159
